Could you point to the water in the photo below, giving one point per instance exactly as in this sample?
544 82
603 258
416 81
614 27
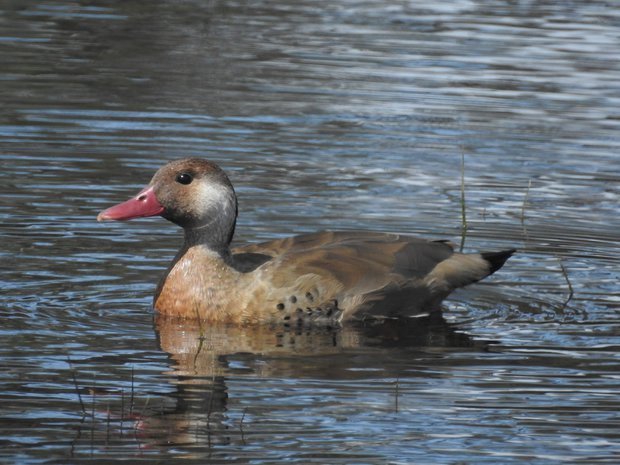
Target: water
346 115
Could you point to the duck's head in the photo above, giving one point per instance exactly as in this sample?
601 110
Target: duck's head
193 193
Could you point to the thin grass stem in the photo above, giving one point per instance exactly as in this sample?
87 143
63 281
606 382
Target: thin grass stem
463 204
571 291
131 396
525 199
77 388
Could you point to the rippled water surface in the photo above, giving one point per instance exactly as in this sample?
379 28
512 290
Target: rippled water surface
326 115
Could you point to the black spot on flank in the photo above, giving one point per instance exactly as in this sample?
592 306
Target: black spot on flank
299 310
293 299
287 317
280 306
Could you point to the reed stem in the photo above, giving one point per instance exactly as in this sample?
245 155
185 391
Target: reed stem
463 204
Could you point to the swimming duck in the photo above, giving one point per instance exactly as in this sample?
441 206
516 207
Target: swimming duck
322 277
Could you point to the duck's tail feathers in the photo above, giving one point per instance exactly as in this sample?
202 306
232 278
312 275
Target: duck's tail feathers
497 259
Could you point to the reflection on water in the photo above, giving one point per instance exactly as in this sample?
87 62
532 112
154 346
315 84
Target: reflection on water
342 115
204 358
303 391
198 350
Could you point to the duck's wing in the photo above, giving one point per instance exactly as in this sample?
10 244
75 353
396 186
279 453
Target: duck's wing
365 273
349 253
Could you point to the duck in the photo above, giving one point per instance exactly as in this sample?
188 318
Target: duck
327 277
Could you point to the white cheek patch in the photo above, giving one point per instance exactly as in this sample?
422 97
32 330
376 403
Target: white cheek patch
210 196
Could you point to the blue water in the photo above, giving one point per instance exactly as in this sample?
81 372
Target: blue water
326 115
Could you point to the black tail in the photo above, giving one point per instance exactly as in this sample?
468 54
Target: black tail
497 259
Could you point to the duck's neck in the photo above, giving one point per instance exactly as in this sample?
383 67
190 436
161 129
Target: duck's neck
212 237
216 232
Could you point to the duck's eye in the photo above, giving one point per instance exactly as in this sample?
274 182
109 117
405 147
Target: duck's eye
184 178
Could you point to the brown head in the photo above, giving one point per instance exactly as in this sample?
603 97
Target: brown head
194 193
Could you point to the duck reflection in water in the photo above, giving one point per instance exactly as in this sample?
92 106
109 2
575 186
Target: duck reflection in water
205 358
